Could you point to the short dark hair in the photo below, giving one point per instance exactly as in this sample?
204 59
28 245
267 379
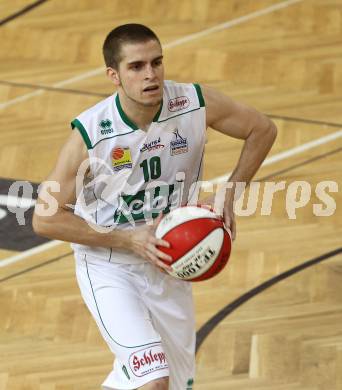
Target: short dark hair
126 33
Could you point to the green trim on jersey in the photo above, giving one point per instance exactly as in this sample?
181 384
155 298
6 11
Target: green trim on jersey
76 123
156 117
117 135
200 95
184 113
124 117
124 369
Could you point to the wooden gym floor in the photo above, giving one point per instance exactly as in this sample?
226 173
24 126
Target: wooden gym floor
284 58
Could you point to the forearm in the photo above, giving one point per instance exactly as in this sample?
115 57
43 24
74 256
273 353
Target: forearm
66 226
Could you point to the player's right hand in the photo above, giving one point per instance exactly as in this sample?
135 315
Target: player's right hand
144 243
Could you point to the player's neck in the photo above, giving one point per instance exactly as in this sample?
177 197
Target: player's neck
141 116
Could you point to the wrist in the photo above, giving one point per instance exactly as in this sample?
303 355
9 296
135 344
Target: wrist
121 239
128 239
229 198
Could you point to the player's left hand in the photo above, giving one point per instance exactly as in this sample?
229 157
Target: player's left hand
227 212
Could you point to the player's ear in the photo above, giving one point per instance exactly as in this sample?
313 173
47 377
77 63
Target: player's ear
113 75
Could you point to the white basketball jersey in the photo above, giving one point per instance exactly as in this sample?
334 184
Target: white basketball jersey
136 174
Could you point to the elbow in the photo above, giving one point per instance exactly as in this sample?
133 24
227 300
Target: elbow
39 226
265 131
36 224
273 130
264 135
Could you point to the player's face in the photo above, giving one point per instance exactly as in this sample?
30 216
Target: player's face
141 72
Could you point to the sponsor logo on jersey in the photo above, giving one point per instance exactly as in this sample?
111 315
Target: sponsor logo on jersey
147 360
148 203
178 103
106 126
179 145
153 145
121 158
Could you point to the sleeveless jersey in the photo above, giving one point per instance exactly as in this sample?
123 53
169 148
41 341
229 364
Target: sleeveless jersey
136 174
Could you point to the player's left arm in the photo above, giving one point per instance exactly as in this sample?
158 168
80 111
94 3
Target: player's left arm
243 122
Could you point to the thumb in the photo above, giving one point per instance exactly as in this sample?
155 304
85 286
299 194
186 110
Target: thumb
233 229
230 224
156 222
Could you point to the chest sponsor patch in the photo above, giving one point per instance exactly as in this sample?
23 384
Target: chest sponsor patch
178 103
147 360
179 144
153 145
121 158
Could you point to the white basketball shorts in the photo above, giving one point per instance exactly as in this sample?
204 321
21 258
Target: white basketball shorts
147 319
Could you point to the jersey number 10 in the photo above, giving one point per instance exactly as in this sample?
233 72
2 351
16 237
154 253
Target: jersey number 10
151 168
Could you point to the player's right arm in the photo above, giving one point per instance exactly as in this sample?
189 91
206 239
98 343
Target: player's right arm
64 225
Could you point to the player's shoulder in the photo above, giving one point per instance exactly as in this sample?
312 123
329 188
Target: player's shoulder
96 122
183 94
98 110
179 99
217 103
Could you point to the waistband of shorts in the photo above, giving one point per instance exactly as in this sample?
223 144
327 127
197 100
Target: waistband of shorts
115 257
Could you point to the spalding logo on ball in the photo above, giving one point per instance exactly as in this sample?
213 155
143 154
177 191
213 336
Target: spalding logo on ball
200 244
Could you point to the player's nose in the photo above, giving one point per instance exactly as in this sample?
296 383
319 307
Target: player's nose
150 72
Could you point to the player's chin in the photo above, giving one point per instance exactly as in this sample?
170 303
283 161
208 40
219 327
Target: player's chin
150 101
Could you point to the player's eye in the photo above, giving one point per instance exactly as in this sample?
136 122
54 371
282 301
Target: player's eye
136 66
158 62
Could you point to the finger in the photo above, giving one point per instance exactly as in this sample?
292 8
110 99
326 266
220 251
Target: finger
218 213
164 267
159 242
230 223
206 206
155 261
156 222
233 229
161 255
227 222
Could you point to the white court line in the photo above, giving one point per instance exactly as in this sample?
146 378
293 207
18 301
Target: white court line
231 23
282 155
15 201
94 72
269 161
30 252
177 42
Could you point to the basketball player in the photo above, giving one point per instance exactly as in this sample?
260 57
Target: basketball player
144 148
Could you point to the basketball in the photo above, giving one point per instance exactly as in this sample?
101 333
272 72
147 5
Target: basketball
200 245
118 153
